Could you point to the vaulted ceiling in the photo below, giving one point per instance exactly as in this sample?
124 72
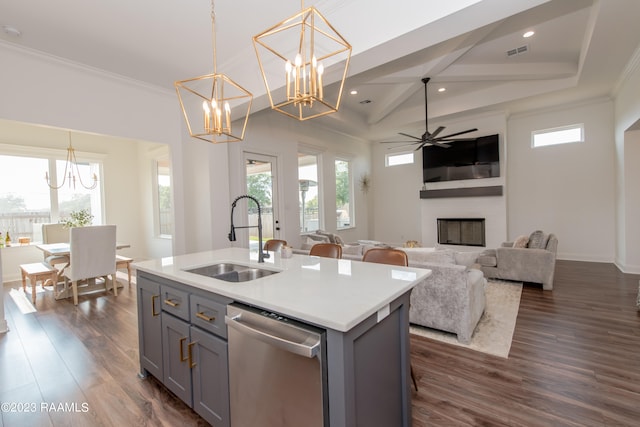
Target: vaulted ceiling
579 51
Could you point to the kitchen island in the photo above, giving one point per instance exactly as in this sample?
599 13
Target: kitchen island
361 309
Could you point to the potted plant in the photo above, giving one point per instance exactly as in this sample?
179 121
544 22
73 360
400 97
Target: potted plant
78 219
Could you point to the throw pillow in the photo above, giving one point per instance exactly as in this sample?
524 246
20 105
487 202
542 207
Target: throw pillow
537 240
338 240
521 242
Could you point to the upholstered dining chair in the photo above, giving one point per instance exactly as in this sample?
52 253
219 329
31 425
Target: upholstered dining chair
92 255
327 250
56 233
274 245
392 257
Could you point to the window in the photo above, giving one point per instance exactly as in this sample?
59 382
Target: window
344 194
559 135
165 223
310 202
399 159
26 201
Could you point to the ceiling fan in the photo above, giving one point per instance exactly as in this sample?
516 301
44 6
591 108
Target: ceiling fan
431 138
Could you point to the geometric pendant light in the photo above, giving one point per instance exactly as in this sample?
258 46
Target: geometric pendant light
297 58
212 102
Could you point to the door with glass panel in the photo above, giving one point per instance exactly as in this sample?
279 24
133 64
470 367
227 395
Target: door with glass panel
261 183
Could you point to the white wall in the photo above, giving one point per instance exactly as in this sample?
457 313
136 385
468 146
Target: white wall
627 143
565 189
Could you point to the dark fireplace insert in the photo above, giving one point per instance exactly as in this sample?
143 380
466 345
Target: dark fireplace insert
461 231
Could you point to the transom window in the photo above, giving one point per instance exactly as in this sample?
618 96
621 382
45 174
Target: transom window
559 135
397 159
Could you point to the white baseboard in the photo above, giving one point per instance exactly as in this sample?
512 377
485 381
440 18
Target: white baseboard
628 269
582 257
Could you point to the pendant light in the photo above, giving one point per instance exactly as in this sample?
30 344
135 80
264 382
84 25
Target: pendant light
211 104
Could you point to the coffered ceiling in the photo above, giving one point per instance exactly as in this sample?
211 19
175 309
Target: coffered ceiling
579 50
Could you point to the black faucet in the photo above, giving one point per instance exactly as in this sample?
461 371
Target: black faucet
232 234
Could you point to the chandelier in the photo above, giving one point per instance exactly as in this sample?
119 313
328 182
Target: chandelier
211 103
71 172
295 57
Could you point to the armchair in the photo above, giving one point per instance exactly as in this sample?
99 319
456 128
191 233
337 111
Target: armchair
534 261
92 255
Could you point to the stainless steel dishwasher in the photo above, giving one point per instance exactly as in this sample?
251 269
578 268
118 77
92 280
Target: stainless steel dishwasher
277 370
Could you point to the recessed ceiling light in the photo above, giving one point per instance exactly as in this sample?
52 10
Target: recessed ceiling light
442 89
12 31
528 34
354 92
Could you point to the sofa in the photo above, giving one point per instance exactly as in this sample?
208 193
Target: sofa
451 299
527 259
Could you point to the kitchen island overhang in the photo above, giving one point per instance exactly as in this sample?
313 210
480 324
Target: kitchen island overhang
363 307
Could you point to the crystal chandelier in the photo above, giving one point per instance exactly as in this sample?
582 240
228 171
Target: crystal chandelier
71 172
295 57
212 102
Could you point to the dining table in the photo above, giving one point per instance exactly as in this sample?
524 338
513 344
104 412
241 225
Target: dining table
64 250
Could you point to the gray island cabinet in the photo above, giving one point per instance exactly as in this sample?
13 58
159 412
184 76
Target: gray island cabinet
362 310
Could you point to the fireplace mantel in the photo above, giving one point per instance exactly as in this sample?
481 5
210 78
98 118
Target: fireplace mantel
495 190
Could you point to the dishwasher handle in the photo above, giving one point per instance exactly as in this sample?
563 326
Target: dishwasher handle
309 350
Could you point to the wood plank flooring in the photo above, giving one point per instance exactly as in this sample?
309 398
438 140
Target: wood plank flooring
574 361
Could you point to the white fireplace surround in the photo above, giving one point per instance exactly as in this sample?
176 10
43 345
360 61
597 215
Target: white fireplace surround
493 209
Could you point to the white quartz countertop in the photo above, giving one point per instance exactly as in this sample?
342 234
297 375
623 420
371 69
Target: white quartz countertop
335 294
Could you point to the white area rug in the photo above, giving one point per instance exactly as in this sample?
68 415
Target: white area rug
494 332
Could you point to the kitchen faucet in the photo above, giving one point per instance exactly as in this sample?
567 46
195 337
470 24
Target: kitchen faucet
232 234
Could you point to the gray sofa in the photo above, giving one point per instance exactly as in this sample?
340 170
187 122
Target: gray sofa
527 259
451 299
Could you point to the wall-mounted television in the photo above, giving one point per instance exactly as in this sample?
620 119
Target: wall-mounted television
477 158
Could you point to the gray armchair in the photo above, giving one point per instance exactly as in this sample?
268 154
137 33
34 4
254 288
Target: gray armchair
533 262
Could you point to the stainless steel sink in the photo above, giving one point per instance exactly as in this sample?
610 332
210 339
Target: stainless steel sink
231 272
216 269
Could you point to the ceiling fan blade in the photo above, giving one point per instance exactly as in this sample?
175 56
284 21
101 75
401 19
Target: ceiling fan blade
436 132
456 139
458 133
437 143
397 142
409 136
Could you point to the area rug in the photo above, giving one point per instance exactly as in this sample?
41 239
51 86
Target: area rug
494 332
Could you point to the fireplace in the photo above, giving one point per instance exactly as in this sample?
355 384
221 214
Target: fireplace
461 231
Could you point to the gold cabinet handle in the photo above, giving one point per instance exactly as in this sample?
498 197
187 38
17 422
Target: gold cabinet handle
190 354
182 358
153 305
171 303
204 317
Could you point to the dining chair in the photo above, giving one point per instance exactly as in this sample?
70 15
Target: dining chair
92 256
327 250
274 245
56 233
386 256
392 257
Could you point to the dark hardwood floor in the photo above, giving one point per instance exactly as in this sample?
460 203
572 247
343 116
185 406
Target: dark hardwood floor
574 361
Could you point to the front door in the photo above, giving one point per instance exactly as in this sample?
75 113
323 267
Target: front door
261 181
